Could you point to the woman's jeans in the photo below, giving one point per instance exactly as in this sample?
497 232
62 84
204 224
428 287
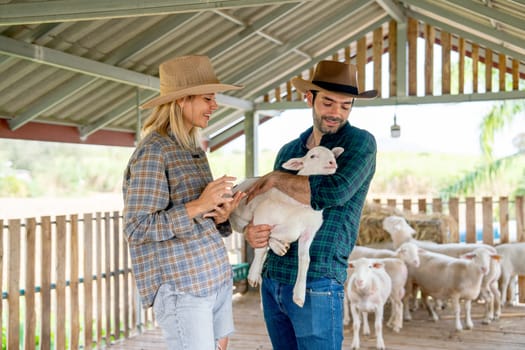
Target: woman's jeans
193 323
318 325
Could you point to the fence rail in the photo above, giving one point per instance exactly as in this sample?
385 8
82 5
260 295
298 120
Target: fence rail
47 303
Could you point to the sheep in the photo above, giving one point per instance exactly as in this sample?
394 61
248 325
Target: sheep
368 288
291 219
442 277
395 262
512 265
400 231
489 291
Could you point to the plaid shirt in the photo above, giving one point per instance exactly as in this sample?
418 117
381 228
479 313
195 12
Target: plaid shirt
341 196
166 246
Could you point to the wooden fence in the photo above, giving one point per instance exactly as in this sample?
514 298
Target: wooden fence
67 283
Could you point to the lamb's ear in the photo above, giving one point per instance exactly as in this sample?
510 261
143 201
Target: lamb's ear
337 151
294 164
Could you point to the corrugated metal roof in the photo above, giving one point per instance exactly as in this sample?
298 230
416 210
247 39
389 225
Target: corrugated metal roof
84 64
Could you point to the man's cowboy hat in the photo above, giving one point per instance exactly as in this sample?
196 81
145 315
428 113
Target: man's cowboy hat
185 76
334 76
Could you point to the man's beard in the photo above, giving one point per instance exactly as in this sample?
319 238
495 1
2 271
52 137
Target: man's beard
318 121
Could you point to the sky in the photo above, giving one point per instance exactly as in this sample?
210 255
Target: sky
451 128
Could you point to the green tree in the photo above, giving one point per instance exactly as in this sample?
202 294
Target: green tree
501 115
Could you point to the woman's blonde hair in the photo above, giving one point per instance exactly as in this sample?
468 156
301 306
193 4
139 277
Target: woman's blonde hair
169 116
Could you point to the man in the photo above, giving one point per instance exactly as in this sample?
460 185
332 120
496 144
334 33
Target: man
318 325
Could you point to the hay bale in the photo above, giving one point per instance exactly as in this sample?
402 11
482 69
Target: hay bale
429 227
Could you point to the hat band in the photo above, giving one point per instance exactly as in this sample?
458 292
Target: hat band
336 87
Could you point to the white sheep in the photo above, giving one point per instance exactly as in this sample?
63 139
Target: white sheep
400 232
291 219
512 265
368 289
395 261
443 277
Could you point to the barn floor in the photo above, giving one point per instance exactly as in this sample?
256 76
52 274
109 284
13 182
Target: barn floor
508 333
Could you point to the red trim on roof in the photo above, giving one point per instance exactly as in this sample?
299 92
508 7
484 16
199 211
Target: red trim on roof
69 134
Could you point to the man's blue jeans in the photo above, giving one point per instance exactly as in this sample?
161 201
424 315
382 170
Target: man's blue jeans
318 325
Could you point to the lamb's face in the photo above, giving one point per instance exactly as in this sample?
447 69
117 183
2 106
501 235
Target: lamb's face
318 161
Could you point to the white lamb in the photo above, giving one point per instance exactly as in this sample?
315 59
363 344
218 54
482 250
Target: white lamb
512 265
368 289
395 265
291 219
443 277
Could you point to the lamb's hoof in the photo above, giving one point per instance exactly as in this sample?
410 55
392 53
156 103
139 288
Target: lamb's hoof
396 329
254 281
298 301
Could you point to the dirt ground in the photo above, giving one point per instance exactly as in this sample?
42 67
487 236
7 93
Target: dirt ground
18 208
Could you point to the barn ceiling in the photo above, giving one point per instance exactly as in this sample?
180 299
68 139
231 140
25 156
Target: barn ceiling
75 71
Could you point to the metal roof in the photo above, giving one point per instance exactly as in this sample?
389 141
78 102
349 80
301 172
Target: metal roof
76 71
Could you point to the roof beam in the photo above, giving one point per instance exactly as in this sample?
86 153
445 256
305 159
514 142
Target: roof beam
467 35
268 59
222 123
95 69
465 22
77 83
395 11
88 10
490 13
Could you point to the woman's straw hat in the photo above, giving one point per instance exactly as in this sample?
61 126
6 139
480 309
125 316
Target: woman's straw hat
185 76
334 76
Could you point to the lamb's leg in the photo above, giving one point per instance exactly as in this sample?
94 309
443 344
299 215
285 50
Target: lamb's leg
366 327
489 305
356 321
468 318
380 343
278 247
497 300
346 311
457 312
254 274
504 285
299 290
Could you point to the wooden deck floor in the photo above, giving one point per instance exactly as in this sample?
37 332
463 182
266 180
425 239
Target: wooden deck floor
508 333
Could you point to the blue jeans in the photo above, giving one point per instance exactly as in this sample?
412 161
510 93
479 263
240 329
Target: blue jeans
318 325
189 322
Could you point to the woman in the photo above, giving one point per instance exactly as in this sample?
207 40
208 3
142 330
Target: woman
175 214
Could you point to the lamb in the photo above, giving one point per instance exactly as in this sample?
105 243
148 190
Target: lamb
395 265
442 277
368 288
277 208
512 265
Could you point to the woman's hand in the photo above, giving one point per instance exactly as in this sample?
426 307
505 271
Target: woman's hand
222 212
215 194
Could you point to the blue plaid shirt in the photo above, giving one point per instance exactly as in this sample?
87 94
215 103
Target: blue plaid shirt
165 245
341 195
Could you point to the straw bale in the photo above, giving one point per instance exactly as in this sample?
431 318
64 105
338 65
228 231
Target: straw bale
430 227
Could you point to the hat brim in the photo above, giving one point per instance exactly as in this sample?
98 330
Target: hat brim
304 85
194 90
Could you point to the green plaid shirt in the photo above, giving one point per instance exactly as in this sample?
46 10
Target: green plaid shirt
342 197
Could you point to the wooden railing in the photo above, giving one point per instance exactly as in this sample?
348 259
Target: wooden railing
67 283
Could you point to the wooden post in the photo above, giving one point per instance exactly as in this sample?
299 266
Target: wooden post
504 219
437 205
430 38
453 209
445 62
461 75
88 280
502 67
413 33
30 266
61 261
116 277
13 284
488 70
392 55
488 229
45 285
475 68
74 284
407 204
361 62
422 205
391 202
1 277
470 220
377 53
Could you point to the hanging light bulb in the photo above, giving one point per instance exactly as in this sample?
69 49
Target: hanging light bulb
395 130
